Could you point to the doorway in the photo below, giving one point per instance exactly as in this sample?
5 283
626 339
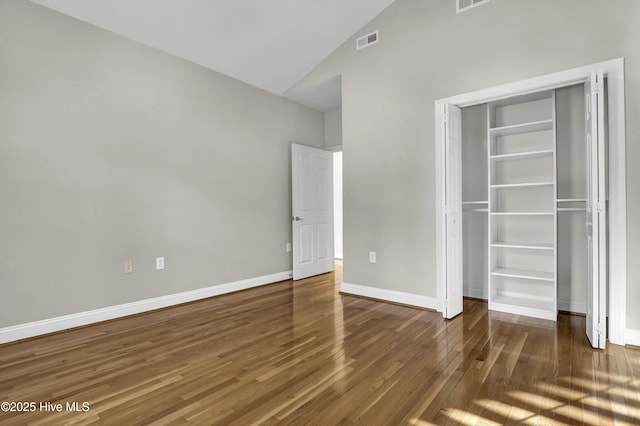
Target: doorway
337 205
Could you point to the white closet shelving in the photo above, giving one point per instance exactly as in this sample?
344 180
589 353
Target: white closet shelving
522 225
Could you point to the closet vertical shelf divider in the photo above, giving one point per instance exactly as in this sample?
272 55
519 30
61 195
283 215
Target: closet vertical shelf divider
522 223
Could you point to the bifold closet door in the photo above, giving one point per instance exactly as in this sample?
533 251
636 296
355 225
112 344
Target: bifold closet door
596 211
452 127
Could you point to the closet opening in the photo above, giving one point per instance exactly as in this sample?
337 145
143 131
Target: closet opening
532 199
535 254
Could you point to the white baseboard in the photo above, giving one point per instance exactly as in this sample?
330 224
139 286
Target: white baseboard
563 305
569 306
338 256
475 293
37 328
632 337
390 295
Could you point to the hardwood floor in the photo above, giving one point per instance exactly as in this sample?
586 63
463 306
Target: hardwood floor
303 354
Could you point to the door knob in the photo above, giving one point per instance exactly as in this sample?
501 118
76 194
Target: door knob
297 218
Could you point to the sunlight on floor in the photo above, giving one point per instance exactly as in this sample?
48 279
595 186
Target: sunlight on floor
557 404
561 391
507 411
466 418
586 384
419 422
539 401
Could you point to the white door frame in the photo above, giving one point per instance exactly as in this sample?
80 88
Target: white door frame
617 268
335 149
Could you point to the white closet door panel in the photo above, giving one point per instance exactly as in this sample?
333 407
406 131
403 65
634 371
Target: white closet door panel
453 209
596 211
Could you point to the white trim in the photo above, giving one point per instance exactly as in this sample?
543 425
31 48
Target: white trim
617 270
632 337
441 246
569 306
339 256
390 295
475 293
51 325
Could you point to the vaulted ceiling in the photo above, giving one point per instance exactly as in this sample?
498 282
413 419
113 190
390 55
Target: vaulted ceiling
270 44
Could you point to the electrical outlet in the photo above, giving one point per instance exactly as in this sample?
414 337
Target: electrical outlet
372 257
159 263
128 266
288 247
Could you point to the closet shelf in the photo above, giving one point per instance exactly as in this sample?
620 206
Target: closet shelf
519 129
521 273
530 246
521 185
524 190
539 308
522 155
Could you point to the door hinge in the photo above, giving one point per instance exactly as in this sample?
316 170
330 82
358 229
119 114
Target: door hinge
598 206
598 86
599 328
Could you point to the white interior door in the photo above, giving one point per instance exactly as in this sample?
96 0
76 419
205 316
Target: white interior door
596 211
452 128
312 211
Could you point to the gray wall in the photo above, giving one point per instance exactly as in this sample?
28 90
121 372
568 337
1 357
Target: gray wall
333 128
428 52
110 150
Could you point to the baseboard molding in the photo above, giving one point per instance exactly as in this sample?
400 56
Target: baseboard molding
569 306
390 295
563 305
338 256
632 337
51 325
475 293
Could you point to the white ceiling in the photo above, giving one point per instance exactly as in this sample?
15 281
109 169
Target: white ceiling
270 44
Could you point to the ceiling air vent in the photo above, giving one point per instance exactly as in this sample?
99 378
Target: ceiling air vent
464 5
367 40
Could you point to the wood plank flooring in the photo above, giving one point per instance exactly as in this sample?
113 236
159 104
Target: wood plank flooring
300 353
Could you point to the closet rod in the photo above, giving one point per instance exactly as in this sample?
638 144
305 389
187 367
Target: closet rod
571 200
571 209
